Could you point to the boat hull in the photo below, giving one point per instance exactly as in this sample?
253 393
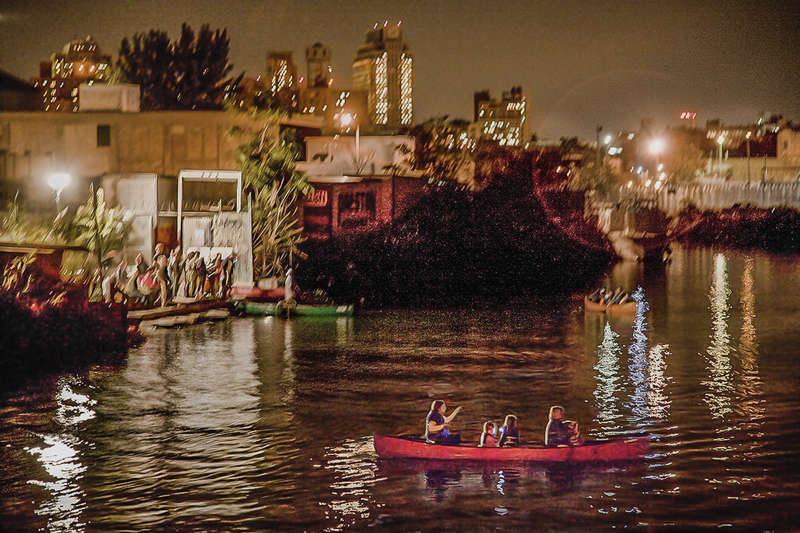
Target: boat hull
613 450
279 309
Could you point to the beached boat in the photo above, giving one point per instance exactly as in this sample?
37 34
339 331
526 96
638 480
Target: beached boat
411 448
628 308
322 310
280 309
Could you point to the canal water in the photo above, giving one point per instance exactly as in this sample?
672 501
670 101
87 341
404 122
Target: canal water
264 424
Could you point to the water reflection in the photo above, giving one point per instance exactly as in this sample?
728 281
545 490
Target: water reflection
354 472
61 458
750 393
608 382
719 377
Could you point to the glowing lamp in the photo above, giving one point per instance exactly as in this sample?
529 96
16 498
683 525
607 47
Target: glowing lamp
656 145
58 181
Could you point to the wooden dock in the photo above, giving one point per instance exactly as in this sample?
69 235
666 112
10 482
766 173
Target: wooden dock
180 309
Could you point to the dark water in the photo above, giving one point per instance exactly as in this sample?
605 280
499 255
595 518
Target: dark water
263 424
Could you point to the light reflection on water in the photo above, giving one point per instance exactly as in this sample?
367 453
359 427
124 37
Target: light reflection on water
264 424
719 377
61 458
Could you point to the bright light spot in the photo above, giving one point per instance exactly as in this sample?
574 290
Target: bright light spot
720 140
658 185
647 183
639 170
656 146
630 136
59 181
607 139
748 135
660 167
346 119
630 184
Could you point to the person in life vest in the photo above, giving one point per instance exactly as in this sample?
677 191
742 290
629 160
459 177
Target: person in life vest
509 433
487 437
556 433
436 424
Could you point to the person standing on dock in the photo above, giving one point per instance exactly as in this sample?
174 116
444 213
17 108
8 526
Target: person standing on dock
288 293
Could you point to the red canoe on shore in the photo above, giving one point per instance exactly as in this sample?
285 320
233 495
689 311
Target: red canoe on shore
628 308
611 450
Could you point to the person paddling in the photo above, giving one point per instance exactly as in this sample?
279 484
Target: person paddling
436 424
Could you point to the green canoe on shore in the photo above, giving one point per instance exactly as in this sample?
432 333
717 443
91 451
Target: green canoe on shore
278 309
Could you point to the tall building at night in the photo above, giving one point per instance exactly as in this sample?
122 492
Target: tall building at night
384 69
502 121
284 83
79 62
318 62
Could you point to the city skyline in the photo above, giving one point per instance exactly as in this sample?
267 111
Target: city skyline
602 63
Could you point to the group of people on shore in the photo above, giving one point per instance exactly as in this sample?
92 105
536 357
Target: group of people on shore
558 432
602 296
171 275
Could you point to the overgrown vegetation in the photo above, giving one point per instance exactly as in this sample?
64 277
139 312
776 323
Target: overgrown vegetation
457 246
745 228
267 160
47 326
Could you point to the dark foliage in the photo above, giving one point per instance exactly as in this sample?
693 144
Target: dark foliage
456 246
48 327
746 228
190 73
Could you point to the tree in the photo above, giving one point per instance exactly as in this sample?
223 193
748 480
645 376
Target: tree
189 73
443 149
267 160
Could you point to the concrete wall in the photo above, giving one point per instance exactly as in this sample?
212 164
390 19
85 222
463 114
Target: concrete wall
339 154
712 197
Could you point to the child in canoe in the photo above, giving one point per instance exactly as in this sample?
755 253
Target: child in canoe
509 433
487 437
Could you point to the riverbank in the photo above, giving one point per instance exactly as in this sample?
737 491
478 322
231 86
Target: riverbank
47 327
743 228
460 247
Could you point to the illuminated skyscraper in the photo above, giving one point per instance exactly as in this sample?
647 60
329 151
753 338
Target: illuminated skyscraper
384 69
79 62
502 121
320 71
282 78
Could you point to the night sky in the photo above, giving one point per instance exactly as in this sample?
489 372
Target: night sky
580 63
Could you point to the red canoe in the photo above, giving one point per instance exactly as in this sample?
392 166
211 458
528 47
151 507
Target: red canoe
611 450
628 308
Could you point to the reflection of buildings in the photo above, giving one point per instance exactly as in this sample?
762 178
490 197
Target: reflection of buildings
59 78
502 121
345 198
384 69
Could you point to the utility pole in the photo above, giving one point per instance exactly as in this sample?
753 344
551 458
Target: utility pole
597 153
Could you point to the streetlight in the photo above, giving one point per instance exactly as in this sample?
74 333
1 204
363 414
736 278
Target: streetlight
58 182
346 120
656 146
747 136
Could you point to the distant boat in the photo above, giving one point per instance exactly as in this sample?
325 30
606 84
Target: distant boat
413 448
628 308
